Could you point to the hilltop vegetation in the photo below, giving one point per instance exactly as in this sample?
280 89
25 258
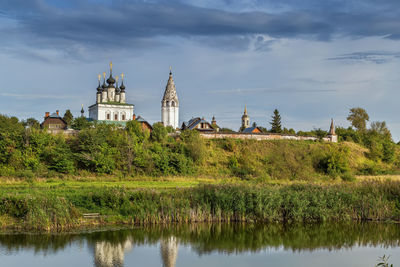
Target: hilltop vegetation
108 150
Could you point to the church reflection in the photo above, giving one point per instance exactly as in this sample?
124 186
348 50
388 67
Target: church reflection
112 254
107 254
169 251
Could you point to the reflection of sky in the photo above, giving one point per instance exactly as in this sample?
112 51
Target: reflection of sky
149 255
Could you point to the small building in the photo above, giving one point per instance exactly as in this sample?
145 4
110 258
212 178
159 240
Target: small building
53 121
143 123
199 124
252 130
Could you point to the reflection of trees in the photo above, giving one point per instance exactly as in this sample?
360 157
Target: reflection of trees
169 251
206 238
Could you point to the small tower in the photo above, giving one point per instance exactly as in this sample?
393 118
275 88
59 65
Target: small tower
99 91
245 119
82 112
170 104
104 91
332 135
122 90
111 88
213 121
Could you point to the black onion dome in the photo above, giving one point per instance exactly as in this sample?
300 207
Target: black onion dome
99 88
104 86
110 80
122 87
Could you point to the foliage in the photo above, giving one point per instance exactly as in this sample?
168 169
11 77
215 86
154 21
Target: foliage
60 207
80 123
31 123
159 133
384 262
358 118
276 124
68 117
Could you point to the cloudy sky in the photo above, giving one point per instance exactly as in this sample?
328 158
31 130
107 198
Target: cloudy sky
312 60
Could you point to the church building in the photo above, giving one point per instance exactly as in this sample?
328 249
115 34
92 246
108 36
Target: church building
170 105
110 101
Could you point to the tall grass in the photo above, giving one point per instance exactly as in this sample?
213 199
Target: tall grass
60 209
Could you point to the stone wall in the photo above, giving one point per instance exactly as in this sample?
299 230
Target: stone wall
266 136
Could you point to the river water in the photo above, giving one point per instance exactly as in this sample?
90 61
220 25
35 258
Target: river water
329 244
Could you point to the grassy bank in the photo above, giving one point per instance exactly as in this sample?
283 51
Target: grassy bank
61 207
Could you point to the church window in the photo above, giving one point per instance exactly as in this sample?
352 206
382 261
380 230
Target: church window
123 117
108 116
172 104
116 117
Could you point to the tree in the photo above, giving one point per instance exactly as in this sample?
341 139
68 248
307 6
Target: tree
276 124
68 117
31 123
80 123
380 128
358 118
254 124
159 133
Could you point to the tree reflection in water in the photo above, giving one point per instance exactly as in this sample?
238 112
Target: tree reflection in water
109 247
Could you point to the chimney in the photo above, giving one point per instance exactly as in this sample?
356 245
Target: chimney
58 112
134 117
47 114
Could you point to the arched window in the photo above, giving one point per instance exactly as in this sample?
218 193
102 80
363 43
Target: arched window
123 117
172 104
115 116
108 115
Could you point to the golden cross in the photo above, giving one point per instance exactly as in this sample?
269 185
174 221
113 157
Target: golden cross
99 77
122 76
110 65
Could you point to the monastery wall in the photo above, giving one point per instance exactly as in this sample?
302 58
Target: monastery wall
264 136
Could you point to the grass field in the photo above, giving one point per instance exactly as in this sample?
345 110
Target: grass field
160 183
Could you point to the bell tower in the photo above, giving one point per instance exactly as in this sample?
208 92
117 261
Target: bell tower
170 104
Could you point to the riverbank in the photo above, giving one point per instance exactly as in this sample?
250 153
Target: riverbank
61 207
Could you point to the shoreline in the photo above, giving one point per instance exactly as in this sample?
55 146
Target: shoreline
61 208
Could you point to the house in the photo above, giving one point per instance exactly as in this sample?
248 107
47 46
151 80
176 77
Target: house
53 121
199 124
143 123
252 130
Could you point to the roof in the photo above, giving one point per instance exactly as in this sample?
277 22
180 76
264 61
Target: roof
141 120
250 129
191 124
170 91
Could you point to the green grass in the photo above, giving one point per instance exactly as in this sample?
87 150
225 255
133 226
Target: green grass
60 206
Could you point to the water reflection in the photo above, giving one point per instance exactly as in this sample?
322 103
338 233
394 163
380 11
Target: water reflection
107 254
169 251
109 248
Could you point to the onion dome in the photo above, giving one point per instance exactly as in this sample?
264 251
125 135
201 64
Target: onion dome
104 86
117 90
122 87
99 88
111 79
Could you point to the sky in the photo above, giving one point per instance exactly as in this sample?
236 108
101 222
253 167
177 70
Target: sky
312 60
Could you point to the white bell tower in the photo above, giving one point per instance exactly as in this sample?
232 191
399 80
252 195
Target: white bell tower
170 104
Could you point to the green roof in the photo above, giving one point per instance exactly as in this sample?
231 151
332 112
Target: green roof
122 123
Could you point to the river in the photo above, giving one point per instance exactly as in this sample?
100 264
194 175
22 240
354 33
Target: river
327 244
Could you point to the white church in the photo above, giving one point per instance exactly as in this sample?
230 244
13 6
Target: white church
111 103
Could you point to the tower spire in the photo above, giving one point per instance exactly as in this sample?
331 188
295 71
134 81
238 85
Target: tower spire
332 128
245 109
